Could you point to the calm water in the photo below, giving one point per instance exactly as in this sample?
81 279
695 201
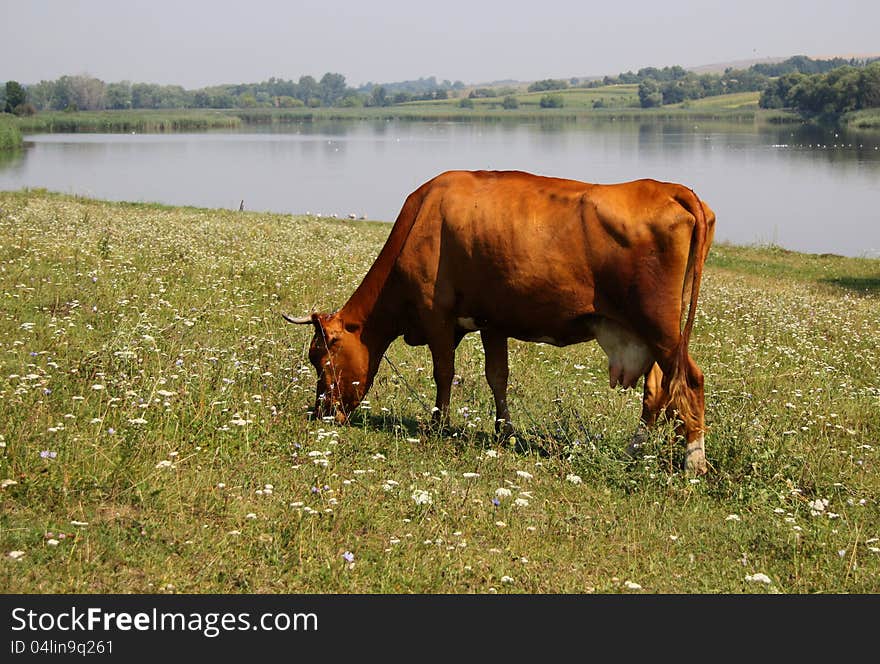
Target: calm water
807 190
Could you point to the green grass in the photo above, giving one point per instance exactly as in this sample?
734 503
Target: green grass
128 121
10 136
865 119
736 101
142 346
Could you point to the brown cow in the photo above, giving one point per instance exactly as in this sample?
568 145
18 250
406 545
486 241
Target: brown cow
538 259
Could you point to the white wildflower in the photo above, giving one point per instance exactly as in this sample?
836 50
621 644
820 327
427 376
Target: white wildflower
760 577
817 506
422 497
574 479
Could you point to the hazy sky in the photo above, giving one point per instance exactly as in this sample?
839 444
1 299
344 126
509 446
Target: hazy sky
199 43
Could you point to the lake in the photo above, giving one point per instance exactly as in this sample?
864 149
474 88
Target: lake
802 188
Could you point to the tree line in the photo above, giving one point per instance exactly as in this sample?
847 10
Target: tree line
838 91
672 85
87 93
812 87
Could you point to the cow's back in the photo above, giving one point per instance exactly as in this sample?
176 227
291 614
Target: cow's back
512 248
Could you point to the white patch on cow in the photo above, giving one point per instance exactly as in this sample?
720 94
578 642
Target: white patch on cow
628 356
547 340
467 324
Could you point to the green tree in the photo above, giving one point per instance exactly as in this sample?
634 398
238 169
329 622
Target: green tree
15 96
510 102
247 101
869 87
333 88
548 84
379 97
40 95
552 101
144 95
307 89
118 95
649 94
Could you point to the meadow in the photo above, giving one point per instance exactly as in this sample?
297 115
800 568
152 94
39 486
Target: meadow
154 433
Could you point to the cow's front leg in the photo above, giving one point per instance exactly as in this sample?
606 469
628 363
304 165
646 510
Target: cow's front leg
497 371
443 357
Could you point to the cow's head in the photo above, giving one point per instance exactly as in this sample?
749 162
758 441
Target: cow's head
342 362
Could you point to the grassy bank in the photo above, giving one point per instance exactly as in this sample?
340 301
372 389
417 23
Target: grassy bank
866 119
128 121
154 439
618 102
10 136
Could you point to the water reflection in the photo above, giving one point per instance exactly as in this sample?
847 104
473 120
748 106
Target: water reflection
805 188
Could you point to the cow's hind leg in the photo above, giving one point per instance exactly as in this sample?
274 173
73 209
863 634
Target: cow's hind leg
686 399
654 401
497 371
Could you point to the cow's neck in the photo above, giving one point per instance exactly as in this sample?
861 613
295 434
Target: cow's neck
376 302
377 311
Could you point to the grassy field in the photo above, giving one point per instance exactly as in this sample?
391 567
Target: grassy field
737 101
153 435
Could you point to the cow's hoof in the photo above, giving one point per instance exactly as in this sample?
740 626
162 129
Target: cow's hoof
695 462
640 437
503 430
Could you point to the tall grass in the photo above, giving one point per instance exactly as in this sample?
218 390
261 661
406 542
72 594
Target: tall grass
154 438
10 136
128 121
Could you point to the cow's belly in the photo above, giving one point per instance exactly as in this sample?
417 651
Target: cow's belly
629 357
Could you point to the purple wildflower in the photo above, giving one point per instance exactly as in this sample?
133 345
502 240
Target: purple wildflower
48 454
348 556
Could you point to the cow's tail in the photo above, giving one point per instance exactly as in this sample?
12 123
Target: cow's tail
680 378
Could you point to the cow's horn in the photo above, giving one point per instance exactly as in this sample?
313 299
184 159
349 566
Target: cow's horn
299 321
